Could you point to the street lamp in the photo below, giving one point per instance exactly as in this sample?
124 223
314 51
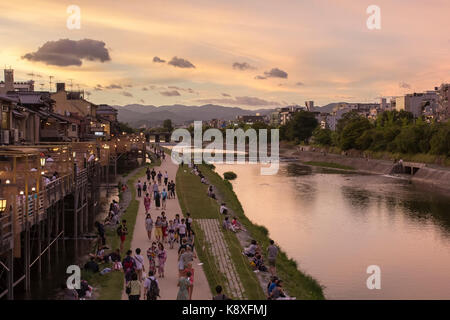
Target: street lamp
42 161
74 154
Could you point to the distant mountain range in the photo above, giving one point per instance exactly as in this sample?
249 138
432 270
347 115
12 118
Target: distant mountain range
138 115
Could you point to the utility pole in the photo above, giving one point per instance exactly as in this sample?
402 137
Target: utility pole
50 83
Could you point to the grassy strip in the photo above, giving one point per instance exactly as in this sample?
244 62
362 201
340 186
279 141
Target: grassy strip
192 195
298 284
110 286
328 165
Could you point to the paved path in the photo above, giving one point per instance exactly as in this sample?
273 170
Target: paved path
222 257
168 284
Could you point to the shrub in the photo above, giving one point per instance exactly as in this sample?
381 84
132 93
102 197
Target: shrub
229 175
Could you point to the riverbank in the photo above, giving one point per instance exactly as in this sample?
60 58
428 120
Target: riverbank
110 285
435 177
201 206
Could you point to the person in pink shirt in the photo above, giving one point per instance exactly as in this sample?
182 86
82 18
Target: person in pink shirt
147 202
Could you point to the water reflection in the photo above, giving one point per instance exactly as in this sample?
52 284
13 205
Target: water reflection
336 224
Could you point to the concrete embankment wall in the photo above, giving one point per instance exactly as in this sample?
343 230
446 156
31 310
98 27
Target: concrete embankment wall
439 178
361 164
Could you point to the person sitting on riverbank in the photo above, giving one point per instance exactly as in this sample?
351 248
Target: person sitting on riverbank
227 225
237 225
91 265
250 251
100 255
258 263
223 208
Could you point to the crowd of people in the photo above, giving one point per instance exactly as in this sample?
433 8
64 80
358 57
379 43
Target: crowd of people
168 237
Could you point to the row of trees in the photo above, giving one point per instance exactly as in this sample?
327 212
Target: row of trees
393 131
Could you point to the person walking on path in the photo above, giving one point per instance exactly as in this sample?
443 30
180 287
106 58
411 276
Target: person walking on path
164 225
134 288
147 173
158 229
139 188
157 200
272 253
155 189
151 256
166 178
190 269
162 257
164 198
122 232
149 226
139 259
184 283
159 176
144 187
129 266
172 189
147 203
153 173
151 287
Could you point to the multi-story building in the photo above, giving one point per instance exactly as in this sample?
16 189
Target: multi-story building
443 94
10 85
416 102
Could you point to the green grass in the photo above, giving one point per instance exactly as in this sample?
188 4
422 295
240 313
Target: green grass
110 285
328 165
297 283
192 195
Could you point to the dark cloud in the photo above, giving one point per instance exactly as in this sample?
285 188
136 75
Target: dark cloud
98 87
189 90
226 95
404 85
66 52
32 74
127 94
171 93
299 83
180 63
276 73
144 89
158 60
242 66
114 86
128 86
142 101
244 100
260 78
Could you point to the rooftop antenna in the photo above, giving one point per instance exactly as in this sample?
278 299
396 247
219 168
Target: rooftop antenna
50 83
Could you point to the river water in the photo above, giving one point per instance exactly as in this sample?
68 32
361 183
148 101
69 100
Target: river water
336 224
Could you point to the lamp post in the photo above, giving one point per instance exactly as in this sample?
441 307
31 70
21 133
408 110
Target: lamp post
42 161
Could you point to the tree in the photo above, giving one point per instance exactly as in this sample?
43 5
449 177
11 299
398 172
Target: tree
301 127
167 124
125 127
322 136
350 128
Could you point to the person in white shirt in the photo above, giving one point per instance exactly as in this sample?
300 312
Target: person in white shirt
139 263
182 230
223 209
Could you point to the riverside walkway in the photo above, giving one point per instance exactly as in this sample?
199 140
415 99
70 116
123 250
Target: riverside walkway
168 284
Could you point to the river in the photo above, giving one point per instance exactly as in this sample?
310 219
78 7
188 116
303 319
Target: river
336 224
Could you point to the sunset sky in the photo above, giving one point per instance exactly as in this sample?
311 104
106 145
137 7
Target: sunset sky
247 53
